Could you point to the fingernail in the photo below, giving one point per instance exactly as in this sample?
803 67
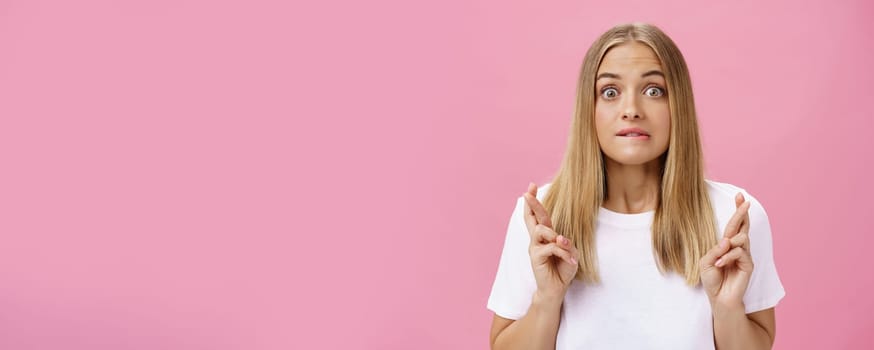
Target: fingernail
719 262
562 240
723 243
574 261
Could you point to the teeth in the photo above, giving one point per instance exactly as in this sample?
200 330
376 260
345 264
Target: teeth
632 134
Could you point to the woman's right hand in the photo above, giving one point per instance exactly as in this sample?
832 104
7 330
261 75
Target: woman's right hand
553 256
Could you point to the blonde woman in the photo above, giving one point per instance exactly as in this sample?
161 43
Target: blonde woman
629 246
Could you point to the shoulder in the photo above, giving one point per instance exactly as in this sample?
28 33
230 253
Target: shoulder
520 200
519 210
722 196
723 190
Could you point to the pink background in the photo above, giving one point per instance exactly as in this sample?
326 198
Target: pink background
275 175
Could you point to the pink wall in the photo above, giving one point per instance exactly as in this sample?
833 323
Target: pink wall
260 175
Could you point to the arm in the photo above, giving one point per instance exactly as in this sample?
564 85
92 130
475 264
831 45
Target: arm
554 266
536 330
726 274
734 329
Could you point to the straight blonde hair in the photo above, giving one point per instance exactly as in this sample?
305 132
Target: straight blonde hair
684 226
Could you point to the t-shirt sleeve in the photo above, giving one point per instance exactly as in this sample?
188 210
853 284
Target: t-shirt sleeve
765 289
514 284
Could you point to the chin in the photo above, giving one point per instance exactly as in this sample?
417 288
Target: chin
633 159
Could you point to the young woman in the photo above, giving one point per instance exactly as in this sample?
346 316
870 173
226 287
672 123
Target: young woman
630 247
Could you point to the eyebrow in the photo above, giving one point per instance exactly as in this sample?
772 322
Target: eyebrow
644 75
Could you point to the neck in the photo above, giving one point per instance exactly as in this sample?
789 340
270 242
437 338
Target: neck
632 189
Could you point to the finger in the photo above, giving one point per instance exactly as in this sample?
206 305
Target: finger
530 220
544 235
566 243
553 249
742 240
734 224
532 188
745 225
745 262
539 211
735 254
709 259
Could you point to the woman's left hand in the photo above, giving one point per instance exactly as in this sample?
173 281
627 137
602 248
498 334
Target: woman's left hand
727 267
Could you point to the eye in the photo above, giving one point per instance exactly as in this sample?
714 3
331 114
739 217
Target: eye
609 93
654 91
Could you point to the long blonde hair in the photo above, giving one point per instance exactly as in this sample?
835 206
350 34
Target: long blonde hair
684 225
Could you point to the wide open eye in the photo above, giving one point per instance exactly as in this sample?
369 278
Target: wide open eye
654 91
609 93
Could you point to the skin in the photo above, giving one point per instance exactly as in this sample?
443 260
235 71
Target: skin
632 92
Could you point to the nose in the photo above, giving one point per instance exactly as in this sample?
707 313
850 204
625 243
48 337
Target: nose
631 110
627 115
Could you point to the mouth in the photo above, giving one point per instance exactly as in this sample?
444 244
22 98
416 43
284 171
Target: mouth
633 133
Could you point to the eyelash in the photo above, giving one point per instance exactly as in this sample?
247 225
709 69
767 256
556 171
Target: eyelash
663 91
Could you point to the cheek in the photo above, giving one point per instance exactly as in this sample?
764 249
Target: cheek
659 115
603 116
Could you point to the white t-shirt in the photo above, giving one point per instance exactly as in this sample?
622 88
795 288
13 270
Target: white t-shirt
635 306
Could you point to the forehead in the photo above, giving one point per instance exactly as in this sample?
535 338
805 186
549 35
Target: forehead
629 57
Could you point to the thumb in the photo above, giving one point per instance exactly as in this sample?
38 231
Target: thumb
709 259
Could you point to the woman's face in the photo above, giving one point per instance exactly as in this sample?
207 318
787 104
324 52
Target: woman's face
632 116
